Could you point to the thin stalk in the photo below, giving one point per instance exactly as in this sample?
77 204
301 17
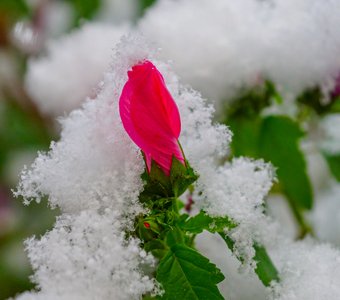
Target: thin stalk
304 227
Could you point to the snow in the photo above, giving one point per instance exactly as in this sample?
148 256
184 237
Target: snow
93 175
226 46
86 254
330 126
326 214
309 271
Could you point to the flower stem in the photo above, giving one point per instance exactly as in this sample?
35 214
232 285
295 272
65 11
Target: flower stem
304 227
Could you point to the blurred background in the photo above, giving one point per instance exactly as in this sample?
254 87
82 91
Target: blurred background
25 26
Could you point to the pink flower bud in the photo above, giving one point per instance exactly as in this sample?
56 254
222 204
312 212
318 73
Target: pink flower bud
150 116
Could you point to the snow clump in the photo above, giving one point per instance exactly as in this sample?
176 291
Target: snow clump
223 47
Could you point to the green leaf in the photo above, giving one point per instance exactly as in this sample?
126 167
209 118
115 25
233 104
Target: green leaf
244 119
186 274
279 144
156 247
334 164
202 221
181 176
174 237
273 138
146 3
265 268
15 8
148 297
84 9
335 108
246 132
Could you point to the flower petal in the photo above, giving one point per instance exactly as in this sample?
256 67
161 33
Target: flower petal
150 115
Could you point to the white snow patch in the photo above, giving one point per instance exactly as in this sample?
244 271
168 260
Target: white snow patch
222 46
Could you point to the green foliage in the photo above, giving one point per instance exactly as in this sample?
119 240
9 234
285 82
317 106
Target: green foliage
265 268
244 118
169 236
313 98
275 139
159 188
186 274
174 236
202 221
334 165
251 103
181 177
13 8
12 279
34 219
335 108
157 184
84 9
246 133
145 4
157 247
19 130
279 144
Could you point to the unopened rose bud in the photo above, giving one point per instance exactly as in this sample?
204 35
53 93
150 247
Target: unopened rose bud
150 116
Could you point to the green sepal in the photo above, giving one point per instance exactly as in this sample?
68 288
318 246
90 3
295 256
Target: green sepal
186 274
181 176
160 189
202 221
156 183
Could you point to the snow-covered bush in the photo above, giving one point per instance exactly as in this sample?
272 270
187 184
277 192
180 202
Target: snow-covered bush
93 175
157 198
